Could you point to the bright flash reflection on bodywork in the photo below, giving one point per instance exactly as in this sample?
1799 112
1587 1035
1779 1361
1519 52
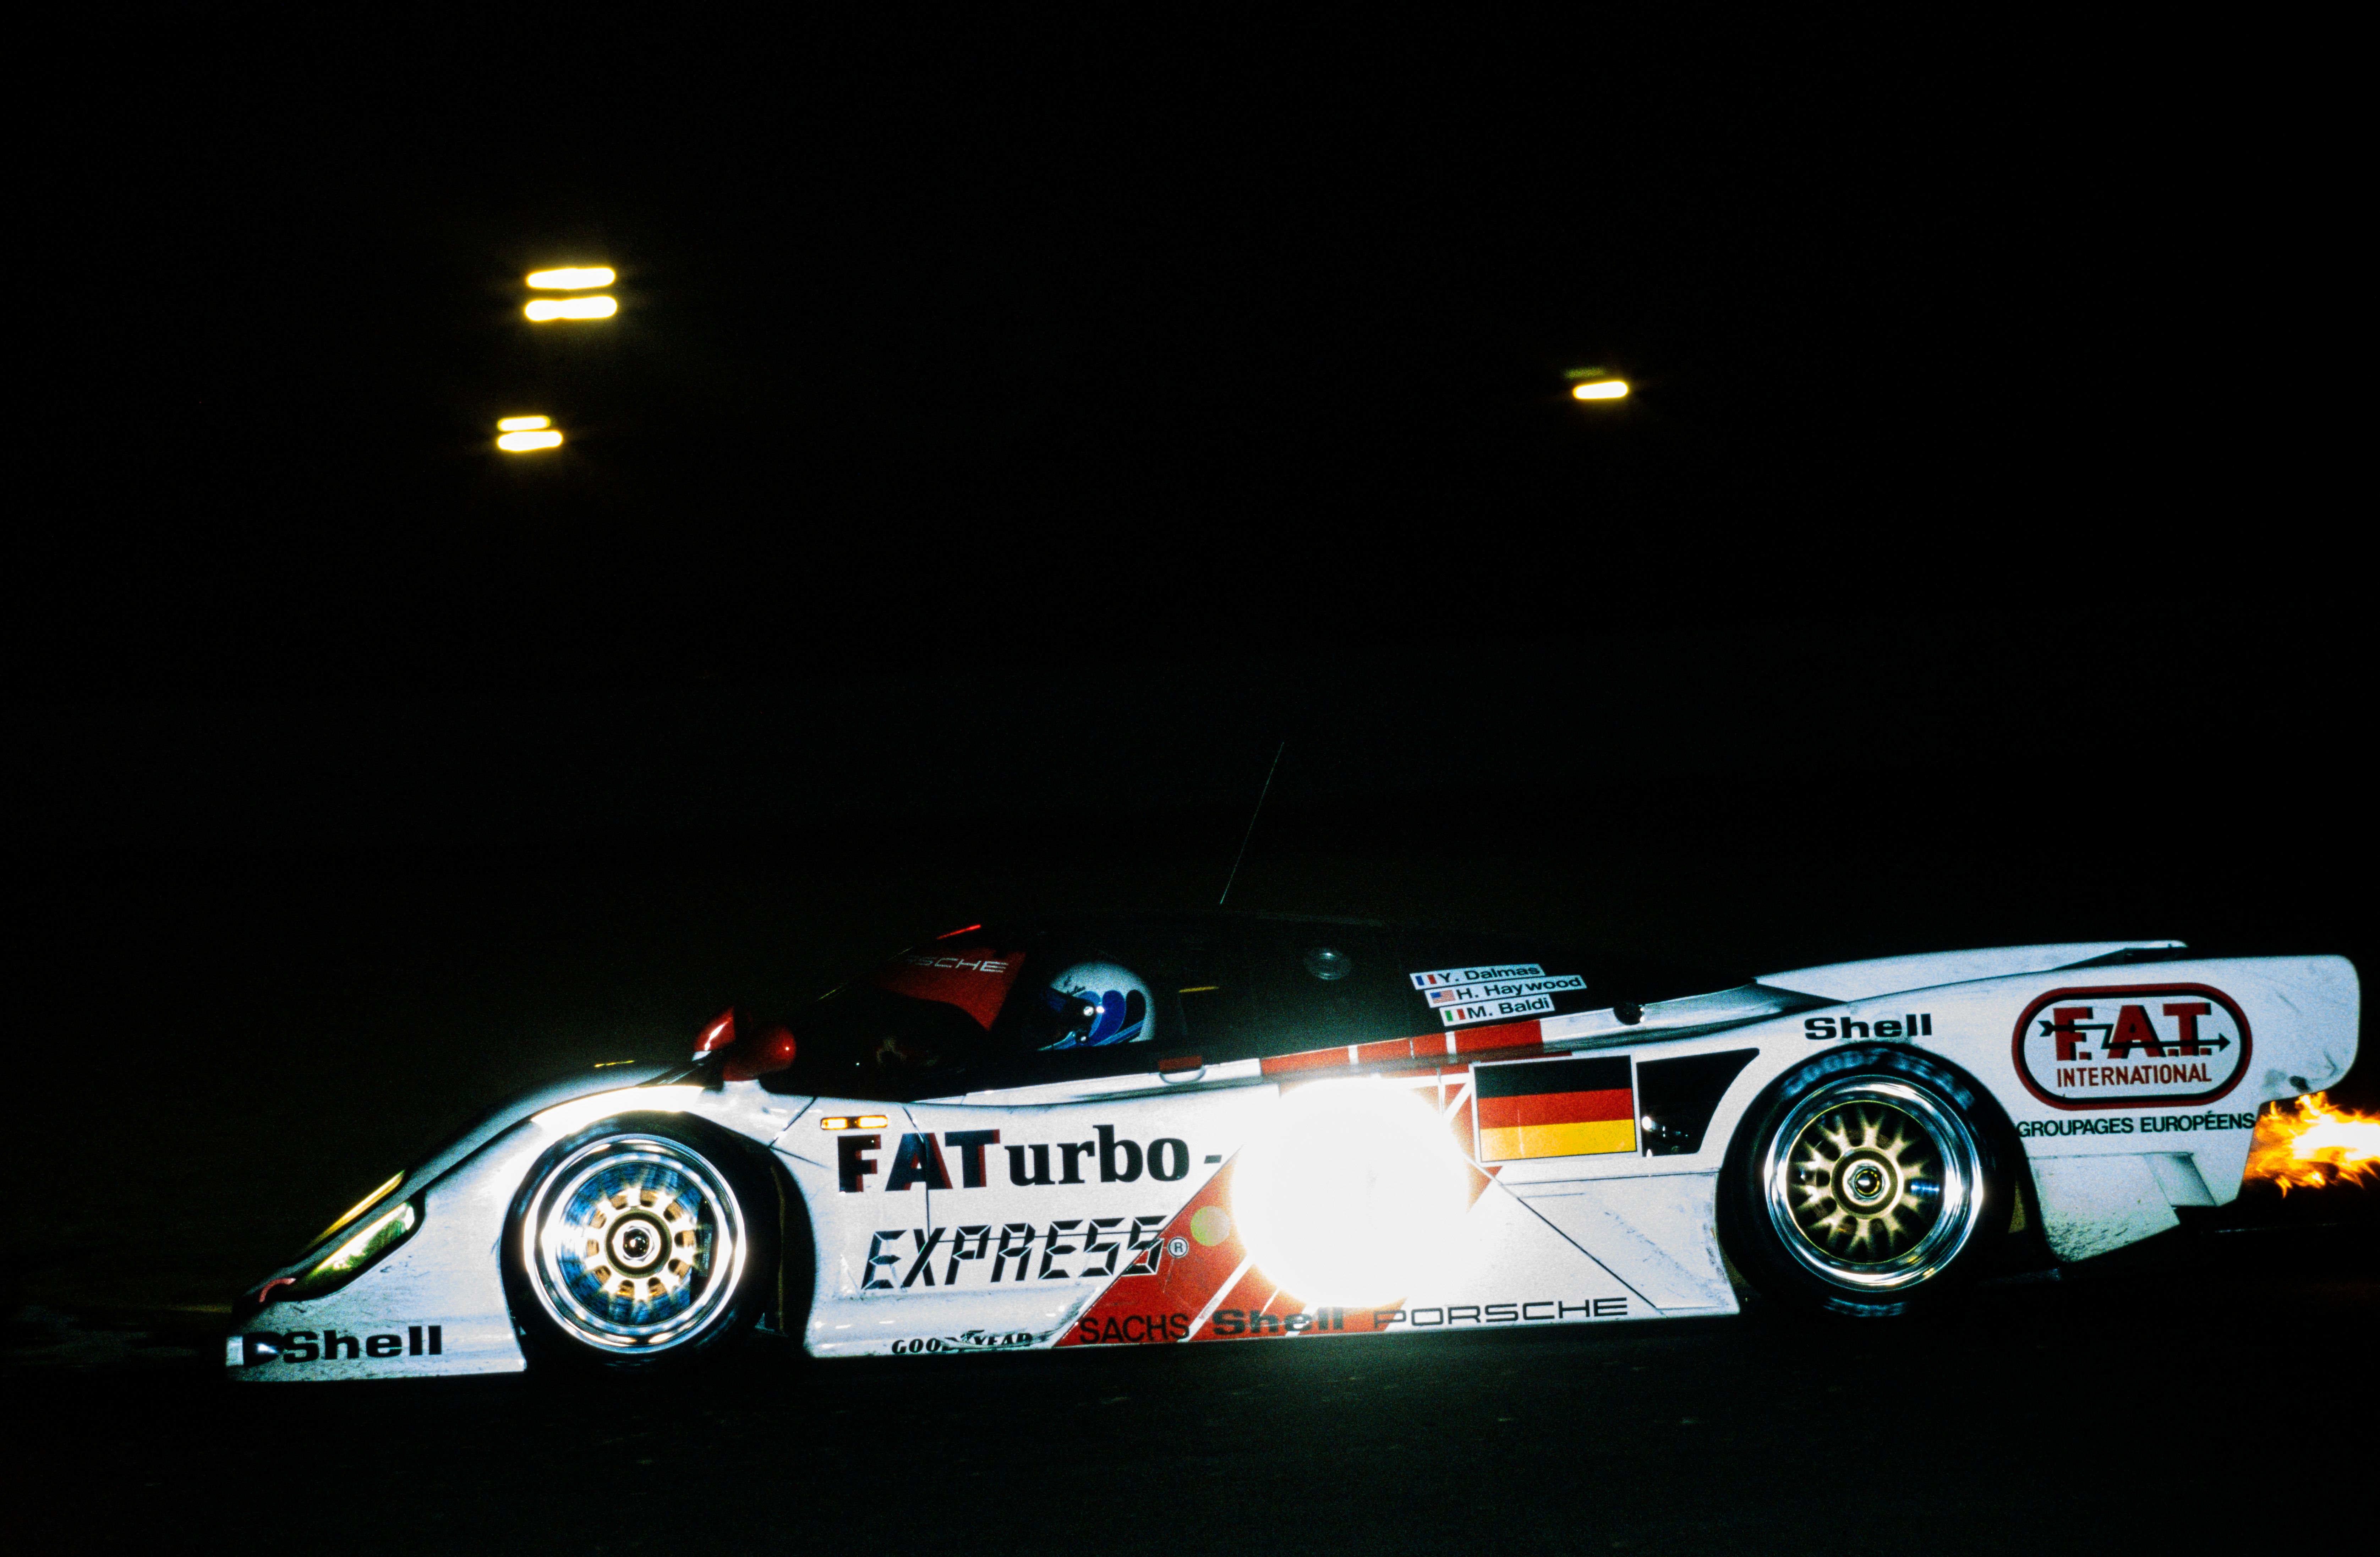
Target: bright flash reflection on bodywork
2313 1144
524 442
540 310
562 1118
382 1231
1865 1183
571 278
1354 1193
367 1203
1603 389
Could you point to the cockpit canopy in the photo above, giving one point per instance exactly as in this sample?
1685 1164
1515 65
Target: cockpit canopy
1010 1005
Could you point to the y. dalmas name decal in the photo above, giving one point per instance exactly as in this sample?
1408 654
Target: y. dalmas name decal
2132 1046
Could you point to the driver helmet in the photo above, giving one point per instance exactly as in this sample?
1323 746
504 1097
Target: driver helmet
1093 1004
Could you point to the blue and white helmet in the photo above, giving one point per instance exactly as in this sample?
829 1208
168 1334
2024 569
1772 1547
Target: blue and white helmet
1093 1004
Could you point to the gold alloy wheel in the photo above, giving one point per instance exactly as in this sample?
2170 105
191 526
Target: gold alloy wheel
636 1243
1873 1184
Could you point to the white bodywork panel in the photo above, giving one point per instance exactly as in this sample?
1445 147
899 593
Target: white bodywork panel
438 1299
1108 1212
2119 1167
1657 1233
1925 970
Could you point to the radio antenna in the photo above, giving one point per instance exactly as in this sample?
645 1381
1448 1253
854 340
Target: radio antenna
1252 820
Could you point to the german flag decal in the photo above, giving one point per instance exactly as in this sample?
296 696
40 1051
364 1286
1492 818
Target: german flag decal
1555 1108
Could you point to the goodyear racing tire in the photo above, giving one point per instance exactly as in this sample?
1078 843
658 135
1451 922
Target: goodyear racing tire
1869 1183
641 1242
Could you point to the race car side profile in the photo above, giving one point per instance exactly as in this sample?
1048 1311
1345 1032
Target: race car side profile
1192 1129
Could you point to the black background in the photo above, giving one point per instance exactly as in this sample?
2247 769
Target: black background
991 468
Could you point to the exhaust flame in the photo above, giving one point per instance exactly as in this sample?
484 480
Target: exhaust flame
2315 1146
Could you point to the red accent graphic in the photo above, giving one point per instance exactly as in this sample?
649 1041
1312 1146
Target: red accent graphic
1427 1049
1467 1138
2134 1030
1141 1308
1311 1059
2188 1013
974 978
1503 1035
2069 1038
1180 1285
1254 1293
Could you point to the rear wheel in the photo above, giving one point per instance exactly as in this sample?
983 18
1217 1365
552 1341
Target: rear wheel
638 1243
1868 1184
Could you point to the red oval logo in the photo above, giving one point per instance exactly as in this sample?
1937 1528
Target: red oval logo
2132 1046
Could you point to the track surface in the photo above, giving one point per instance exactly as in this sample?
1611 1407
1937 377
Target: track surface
2196 1386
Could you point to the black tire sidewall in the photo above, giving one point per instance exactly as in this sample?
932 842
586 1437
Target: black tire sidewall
1759 1252
548 1346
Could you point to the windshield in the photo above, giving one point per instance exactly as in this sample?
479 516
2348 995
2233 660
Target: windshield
1011 1003
925 1011
944 1007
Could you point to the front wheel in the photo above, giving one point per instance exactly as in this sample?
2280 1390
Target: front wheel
1867 1185
636 1243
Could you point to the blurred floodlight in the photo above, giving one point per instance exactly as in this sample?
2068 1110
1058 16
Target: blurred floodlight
544 309
524 442
523 424
574 279
1602 389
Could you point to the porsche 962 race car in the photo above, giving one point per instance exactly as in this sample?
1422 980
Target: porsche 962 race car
1173 1131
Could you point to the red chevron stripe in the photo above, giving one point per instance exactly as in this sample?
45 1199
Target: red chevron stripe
1423 1050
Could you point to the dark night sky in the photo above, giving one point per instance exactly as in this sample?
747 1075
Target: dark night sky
1939 407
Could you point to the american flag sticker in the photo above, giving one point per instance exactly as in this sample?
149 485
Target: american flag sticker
1465 994
1446 977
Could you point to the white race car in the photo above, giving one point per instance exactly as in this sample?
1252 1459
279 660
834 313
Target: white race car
1137 1131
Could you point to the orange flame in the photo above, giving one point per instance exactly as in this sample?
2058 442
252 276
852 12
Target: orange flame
2315 1146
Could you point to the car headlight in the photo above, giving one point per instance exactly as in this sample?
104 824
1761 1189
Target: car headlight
359 1253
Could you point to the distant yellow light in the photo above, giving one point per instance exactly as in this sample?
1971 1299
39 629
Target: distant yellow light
1602 389
571 280
522 443
544 309
523 424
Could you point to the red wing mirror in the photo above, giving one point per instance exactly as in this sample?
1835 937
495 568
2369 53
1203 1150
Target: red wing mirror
772 1050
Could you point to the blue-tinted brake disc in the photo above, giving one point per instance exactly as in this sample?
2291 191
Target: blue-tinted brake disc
638 1243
